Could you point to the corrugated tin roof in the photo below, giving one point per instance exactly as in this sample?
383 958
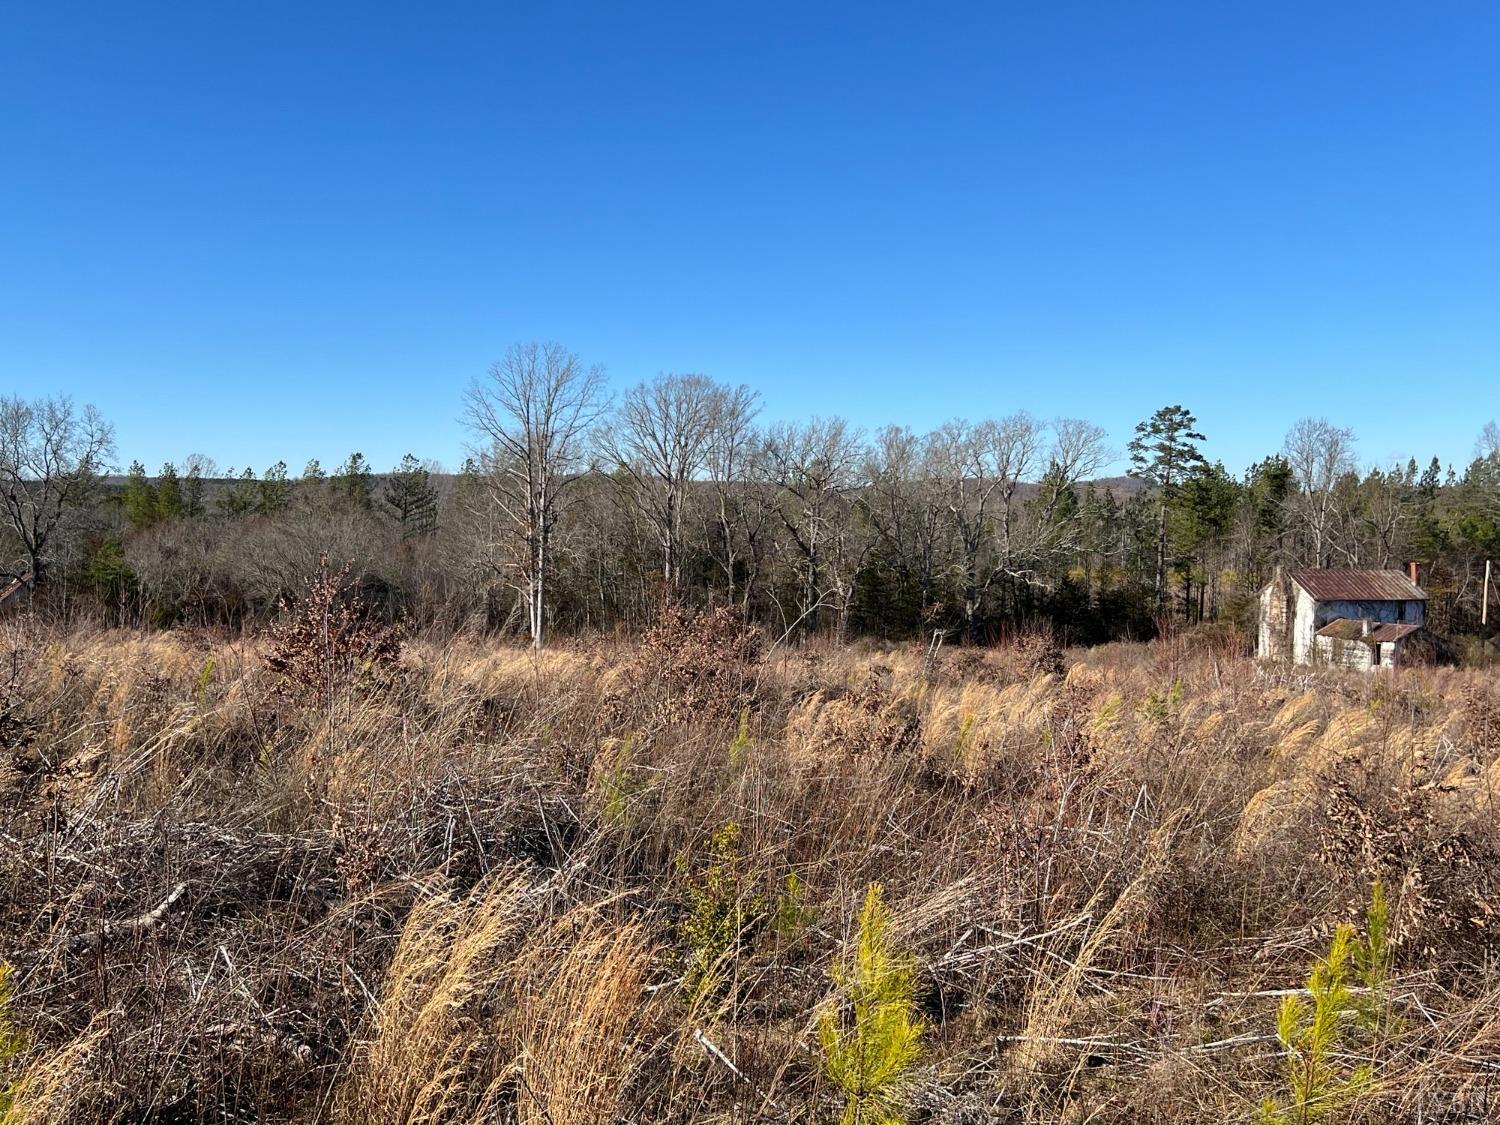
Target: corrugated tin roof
1353 629
1358 585
14 587
1344 629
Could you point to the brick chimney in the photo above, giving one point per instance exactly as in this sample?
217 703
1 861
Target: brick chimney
1411 570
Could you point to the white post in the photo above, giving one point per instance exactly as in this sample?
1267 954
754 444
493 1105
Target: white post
1484 607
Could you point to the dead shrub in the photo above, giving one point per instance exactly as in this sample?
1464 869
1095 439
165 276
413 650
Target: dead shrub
1036 652
1445 879
694 665
328 643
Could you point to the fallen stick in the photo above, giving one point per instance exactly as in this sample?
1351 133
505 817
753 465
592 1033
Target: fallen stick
1221 998
1097 1044
713 1050
140 924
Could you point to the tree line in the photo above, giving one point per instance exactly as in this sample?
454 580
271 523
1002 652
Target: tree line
574 512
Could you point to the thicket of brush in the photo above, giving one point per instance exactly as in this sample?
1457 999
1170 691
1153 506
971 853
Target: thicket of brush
690 880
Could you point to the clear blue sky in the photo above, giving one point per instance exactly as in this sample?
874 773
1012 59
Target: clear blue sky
280 230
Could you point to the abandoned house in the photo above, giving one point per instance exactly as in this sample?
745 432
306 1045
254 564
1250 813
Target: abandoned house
16 592
1355 618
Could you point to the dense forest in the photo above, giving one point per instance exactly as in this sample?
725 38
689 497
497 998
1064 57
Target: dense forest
575 512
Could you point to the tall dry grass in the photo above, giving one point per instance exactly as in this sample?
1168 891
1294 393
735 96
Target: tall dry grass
464 894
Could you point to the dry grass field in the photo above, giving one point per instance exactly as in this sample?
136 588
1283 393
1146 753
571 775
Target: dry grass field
686 880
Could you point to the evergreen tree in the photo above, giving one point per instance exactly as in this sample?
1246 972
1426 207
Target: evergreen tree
1200 521
468 487
1428 485
354 483
168 493
1056 509
140 497
410 495
239 496
1268 485
313 482
869 1057
1163 453
275 490
198 467
109 574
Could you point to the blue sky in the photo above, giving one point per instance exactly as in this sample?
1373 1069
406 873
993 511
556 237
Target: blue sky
276 231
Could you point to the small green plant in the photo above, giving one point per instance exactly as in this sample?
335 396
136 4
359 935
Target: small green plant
619 785
1372 957
720 911
791 915
740 746
1160 708
1312 1031
205 678
965 740
870 1056
12 1045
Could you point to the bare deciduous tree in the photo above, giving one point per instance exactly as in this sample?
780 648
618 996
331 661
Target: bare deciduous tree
740 506
979 468
1386 512
531 418
50 456
1319 453
1488 446
815 466
659 442
1055 530
904 506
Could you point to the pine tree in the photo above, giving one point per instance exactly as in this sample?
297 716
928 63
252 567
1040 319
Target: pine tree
168 493
870 1059
1428 485
140 497
354 483
1311 1034
239 496
313 482
1200 520
1162 453
410 495
1317 1036
275 490
198 467
13 1044
1269 484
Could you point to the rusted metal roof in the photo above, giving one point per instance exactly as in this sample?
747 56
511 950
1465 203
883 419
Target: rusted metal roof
1345 629
1359 585
1353 629
15 586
